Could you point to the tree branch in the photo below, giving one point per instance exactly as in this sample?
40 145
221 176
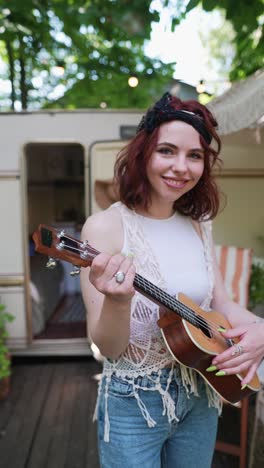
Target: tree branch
11 62
23 83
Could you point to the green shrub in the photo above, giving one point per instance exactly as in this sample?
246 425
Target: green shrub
256 285
4 353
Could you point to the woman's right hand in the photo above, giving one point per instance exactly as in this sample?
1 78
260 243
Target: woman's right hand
102 275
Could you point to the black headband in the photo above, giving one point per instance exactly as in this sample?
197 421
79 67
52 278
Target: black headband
163 112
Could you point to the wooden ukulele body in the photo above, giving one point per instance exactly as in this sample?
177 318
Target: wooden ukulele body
195 348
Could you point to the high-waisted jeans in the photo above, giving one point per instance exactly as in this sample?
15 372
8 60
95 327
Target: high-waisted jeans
186 442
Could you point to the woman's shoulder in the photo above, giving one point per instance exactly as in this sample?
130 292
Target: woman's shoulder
104 230
103 219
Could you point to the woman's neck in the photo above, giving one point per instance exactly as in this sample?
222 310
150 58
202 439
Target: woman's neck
156 212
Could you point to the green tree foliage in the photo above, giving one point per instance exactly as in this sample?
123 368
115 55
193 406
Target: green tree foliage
219 42
97 44
85 50
256 287
247 18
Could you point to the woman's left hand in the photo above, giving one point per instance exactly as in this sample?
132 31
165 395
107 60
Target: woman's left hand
244 356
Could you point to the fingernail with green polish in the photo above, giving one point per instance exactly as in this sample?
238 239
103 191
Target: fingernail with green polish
211 369
220 373
221 329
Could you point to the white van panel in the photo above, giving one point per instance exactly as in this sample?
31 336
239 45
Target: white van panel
11 245
82 127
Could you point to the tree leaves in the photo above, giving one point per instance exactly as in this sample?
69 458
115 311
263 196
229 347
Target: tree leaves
191 5
247 20
208 5
95 38
92 39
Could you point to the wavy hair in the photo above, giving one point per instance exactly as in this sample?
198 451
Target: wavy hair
130 175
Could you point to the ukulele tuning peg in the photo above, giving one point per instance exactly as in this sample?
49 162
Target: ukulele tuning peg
76 271
51 263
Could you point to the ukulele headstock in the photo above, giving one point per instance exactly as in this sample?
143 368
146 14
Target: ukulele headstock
57 244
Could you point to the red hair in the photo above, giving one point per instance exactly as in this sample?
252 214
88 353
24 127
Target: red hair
131 177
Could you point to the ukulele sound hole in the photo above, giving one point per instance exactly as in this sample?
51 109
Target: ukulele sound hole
204 327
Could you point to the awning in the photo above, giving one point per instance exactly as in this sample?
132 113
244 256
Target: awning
242 106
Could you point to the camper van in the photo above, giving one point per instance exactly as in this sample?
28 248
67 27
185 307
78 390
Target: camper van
48 166
51 164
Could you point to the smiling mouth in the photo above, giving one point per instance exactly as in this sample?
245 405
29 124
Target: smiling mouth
175 183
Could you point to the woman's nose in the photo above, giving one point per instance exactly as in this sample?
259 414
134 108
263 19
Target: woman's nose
179 163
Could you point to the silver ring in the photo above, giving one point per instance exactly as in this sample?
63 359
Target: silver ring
238 350
120 277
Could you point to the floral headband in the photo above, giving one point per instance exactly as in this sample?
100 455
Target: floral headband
162 112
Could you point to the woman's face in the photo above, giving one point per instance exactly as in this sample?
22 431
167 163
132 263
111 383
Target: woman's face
176 164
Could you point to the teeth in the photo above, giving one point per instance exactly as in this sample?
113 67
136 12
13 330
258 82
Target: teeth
176 183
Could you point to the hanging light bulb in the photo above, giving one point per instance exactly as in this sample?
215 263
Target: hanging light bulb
59 69
200 88
133 81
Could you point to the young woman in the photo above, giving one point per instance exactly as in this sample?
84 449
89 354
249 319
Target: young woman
152 410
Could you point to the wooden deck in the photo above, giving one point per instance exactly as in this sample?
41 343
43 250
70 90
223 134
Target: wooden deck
47 419
46 422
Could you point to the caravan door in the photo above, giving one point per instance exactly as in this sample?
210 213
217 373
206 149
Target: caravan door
61 181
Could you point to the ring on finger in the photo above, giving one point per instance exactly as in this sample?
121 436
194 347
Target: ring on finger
238 349
120 277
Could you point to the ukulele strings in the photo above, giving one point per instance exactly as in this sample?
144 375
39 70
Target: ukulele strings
173 303
159 293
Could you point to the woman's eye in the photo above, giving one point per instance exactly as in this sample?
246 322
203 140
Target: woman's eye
196 156
164 150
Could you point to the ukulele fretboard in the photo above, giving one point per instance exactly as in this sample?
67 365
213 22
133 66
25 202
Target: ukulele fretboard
163 298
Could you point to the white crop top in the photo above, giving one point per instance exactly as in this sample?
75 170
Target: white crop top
179 252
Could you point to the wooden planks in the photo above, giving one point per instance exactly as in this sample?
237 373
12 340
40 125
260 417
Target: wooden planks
47 419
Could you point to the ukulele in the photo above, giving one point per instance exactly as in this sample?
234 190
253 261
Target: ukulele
190 333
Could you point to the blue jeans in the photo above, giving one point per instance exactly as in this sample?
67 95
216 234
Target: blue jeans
186 442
